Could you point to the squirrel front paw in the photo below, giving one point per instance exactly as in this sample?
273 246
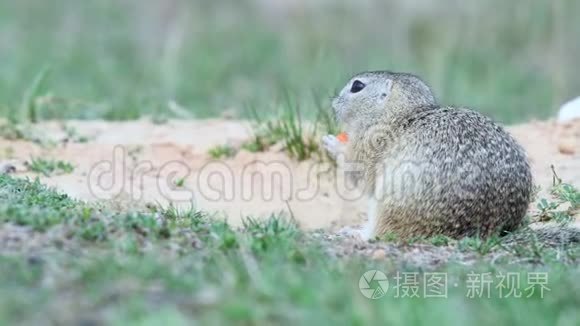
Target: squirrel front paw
332 145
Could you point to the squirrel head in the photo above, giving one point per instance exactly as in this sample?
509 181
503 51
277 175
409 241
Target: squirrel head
370 97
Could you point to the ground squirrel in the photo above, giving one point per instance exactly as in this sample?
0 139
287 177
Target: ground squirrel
428 169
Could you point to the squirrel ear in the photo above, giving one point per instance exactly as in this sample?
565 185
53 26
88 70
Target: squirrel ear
387 90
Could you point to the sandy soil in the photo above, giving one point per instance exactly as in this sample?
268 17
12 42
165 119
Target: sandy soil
134 164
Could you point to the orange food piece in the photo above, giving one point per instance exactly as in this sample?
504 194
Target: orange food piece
342 137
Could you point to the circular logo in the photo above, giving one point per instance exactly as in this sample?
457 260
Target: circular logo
373 284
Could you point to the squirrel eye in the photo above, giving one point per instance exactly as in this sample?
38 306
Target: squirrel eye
357 86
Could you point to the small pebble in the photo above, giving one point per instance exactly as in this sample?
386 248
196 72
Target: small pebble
379 254
569 111
567 147
7 168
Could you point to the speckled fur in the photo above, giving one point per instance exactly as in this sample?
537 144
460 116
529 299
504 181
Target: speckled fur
444 170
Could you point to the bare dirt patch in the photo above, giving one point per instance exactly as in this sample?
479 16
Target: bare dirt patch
139 163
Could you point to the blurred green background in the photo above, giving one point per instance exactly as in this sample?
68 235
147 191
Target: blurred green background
124 59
